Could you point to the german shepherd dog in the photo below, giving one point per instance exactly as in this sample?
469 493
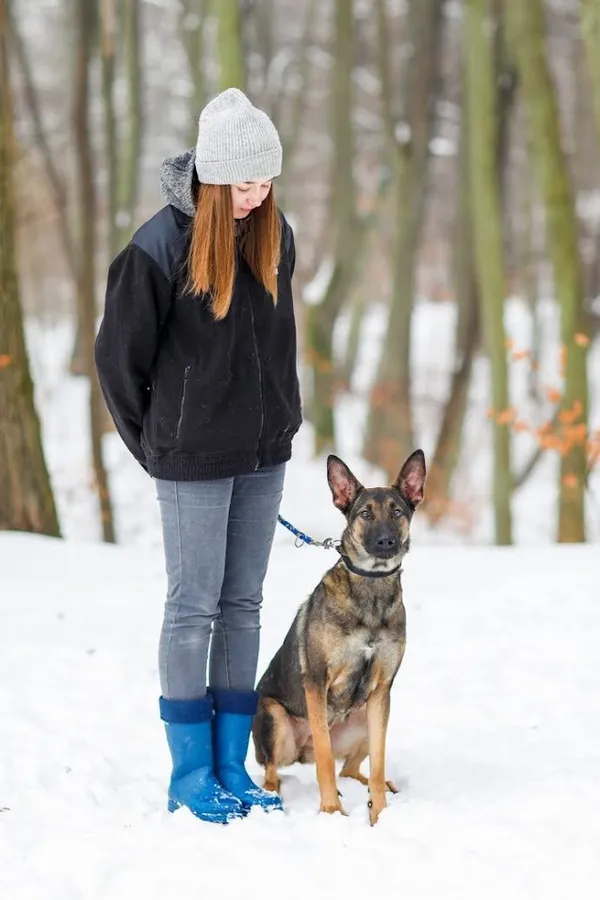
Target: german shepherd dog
325 695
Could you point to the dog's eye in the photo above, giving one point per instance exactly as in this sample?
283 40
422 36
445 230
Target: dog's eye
396 513
366 514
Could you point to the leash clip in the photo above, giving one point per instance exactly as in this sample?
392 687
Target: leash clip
302 538
331 544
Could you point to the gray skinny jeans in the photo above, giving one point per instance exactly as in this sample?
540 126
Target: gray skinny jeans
217 538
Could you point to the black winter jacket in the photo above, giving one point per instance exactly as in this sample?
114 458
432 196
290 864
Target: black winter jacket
193 398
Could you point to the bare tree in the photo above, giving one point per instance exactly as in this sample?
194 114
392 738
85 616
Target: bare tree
590 29
56 178
346 235
232 69
26 498
449 438
86 269
389 428
123 144
487 231
191 26
527 30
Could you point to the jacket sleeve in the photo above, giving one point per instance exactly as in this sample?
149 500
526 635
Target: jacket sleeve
138 296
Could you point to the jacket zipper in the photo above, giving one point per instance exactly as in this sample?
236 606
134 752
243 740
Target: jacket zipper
186 373
260 384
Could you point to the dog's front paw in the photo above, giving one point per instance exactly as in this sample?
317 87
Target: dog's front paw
377 803
332 806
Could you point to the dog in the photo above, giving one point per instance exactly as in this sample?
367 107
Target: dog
325 695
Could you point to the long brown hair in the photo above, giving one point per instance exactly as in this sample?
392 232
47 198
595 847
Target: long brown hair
211 259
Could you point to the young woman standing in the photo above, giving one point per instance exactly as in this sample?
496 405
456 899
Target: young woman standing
196 356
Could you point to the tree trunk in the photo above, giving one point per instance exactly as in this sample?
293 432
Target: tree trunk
54 176
487 229
528 35
232 70
108 56
389 429
358 307
123 145
26 498
130 147
322 316
590 29
86 281
290 136
192 36
448 444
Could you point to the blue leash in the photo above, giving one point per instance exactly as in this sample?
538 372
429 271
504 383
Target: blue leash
302 538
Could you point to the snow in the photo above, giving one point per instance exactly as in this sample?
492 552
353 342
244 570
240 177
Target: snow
495 724
493 736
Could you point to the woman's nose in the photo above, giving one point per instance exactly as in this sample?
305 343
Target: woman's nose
254 196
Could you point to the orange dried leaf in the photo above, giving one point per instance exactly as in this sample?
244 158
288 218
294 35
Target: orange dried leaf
506 416
5 360
562 359
553 395
582 340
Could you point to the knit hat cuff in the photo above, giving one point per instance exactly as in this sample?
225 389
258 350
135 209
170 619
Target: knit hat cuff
235 171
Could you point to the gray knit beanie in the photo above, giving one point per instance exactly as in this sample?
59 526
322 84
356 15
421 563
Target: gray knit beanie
236 141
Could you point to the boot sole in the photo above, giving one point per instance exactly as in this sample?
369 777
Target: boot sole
216 819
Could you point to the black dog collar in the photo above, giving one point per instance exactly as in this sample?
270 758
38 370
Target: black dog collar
350 565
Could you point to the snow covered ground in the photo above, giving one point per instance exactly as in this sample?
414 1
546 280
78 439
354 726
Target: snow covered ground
493 740
494 735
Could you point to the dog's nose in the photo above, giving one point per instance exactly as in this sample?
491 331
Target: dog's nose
387 543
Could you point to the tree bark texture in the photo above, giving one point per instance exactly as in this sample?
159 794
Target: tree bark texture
26 498
527 31
86 270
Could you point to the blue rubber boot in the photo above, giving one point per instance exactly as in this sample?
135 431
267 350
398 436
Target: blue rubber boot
232 723
193 782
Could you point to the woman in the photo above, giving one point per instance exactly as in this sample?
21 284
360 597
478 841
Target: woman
196 356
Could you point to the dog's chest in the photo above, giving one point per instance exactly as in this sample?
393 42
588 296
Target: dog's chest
364 659
375 647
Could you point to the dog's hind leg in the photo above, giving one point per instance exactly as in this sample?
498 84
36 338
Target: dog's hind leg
351 767
274 740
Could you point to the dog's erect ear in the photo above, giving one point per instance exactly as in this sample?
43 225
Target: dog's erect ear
411 480
344 486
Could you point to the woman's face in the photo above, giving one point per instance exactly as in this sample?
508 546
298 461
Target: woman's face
247 196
